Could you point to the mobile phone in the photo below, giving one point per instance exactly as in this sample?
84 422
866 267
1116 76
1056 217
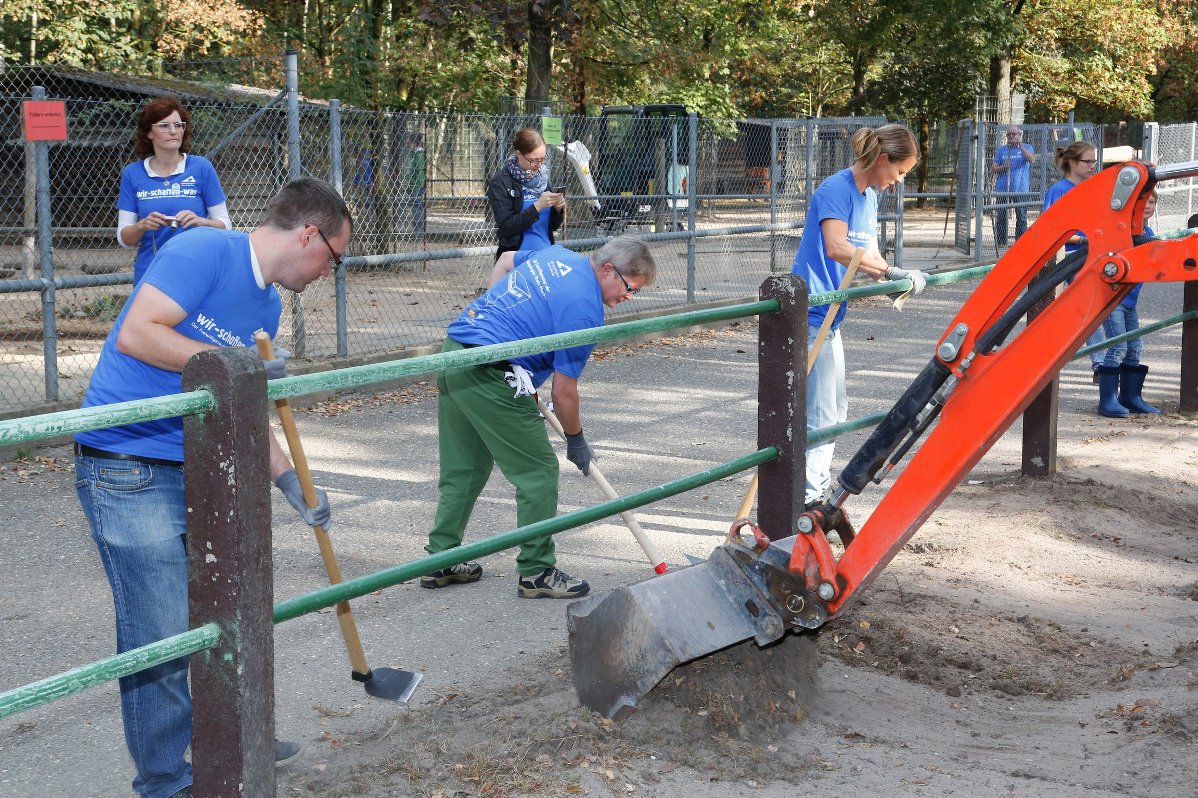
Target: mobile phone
559 189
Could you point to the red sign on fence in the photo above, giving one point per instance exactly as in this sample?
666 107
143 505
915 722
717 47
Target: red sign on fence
45 120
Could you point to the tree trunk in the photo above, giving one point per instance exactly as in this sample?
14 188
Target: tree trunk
540 56
1000 85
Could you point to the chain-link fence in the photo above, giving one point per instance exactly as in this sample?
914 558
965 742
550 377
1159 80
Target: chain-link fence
722 203
1177 199
997 198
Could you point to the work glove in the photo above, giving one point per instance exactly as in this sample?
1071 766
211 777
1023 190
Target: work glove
918 280
276 367
520 378
578 452
320 515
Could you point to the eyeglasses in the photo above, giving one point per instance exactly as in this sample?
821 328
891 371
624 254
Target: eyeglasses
335 260
167 127
627 288
532 161
1091 161
1012 135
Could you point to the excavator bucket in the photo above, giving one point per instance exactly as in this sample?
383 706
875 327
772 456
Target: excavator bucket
626 641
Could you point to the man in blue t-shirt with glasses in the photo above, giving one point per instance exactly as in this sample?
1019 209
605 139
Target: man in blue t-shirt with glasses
207 289
1012 167
487 415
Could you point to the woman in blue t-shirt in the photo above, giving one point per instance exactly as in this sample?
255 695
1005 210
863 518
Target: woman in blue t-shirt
526 212
1075 163
166 190
843 215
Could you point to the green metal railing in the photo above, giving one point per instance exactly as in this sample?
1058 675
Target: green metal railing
24 430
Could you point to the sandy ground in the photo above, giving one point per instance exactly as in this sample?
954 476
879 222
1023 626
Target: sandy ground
1035 638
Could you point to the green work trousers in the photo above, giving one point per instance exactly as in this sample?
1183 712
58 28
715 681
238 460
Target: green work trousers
480 424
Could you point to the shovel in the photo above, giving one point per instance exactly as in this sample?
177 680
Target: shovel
390 684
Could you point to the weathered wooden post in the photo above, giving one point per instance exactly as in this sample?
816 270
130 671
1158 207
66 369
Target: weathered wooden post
227 476
782 404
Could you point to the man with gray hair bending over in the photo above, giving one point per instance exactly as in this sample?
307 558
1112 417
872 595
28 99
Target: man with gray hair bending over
488 415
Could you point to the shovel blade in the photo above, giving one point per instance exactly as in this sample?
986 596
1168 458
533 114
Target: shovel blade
389 684
625 642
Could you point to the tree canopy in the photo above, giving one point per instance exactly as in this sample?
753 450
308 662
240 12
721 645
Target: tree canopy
754 58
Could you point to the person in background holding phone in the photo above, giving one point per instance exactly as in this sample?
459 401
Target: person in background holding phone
526 213
165 191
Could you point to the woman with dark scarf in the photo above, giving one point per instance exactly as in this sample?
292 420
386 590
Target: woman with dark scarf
526 212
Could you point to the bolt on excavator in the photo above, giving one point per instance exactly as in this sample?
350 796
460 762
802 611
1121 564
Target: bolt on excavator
974 387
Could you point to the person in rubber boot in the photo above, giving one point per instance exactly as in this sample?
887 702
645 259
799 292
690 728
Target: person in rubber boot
1121 375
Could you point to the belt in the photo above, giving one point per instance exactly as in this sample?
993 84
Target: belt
83 450
502 365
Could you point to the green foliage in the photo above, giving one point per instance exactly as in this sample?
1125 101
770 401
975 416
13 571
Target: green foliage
764 58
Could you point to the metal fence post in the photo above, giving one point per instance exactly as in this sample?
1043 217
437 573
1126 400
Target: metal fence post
1151 135
774 174
692 176
335 171
1188 401
979 201
809 164
294 170
230 583
45 246
782 404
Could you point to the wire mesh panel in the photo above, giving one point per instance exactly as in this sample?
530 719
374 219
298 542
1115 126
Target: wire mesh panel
1178 199
998 207
728 198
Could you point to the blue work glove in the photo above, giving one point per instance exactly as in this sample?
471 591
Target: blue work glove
320 515
578 452
276 367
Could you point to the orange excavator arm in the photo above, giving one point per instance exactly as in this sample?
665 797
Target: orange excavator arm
977 383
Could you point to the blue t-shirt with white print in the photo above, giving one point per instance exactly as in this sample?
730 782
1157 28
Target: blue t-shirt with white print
550 291
836 198
210 275
195 189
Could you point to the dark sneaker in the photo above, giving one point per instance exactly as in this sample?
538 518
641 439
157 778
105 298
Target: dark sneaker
183 793
460 574
552 584
286 752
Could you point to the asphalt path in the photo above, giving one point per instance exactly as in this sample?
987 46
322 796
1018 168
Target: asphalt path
655 411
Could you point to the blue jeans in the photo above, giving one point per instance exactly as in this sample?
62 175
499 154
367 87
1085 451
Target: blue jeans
1000 223
1120 321
827 404
138 520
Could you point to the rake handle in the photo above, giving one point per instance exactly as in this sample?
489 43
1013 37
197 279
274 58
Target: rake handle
345 616
655 559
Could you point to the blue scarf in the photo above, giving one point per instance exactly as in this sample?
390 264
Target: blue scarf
535 182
